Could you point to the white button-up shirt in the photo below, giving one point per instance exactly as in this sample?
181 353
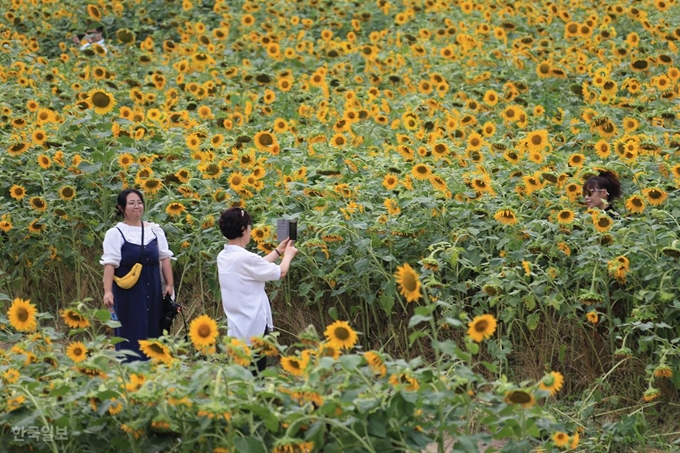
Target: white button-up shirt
242 276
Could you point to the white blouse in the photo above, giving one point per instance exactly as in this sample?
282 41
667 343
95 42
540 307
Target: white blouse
242 277
113 241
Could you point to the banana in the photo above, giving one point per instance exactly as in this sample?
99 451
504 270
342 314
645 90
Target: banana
130 279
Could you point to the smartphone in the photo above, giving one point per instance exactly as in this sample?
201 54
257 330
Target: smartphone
286 229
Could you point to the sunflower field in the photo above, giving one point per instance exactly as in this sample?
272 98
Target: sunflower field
451 287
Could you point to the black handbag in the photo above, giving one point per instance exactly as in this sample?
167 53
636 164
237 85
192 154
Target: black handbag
170 311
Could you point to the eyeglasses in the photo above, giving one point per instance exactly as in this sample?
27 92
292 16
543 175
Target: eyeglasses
135 203
590 192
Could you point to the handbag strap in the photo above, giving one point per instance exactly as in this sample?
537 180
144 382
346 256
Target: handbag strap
141 252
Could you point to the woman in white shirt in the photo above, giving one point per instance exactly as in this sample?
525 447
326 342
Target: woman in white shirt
242 276
139 308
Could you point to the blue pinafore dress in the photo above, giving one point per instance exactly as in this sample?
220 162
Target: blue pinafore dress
138 308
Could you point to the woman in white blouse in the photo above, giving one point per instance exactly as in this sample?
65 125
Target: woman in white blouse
242 276
139 308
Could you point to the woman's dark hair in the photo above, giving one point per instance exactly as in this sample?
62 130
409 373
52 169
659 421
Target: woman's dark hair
606 180
234 222
122 200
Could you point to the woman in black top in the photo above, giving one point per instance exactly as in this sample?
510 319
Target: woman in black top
600 191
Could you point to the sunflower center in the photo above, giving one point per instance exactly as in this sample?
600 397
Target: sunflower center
481 326
22 314
341 333
204 331
78 351
519 397
74 317
101 100
156 348
266 140
295 364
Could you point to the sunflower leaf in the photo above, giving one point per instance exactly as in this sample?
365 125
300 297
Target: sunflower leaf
103 315
350 362
248 445
417 319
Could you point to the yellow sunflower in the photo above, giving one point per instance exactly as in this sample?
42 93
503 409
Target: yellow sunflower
39 137
38 203
11 376
523 397
537 140
258 234
102 101
265 141
561 439
635 204
67 193
294 365
74 319
481 327
17 149
76 351
376 363
506 217
421 172
21 315
392 207
17 192
603 149
552 382
239 351
655 195
264 347
175 209
602 222
338 141
94 13
36 227
116 406
125 160
328 350
156 351
5 226
151 185
565 216
576 160
409 382
390 181
409 283
340 335
475 142
237 181
15 402
203 331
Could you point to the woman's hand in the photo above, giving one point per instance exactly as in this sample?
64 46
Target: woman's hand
108 299
281 248
290 249
168 290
